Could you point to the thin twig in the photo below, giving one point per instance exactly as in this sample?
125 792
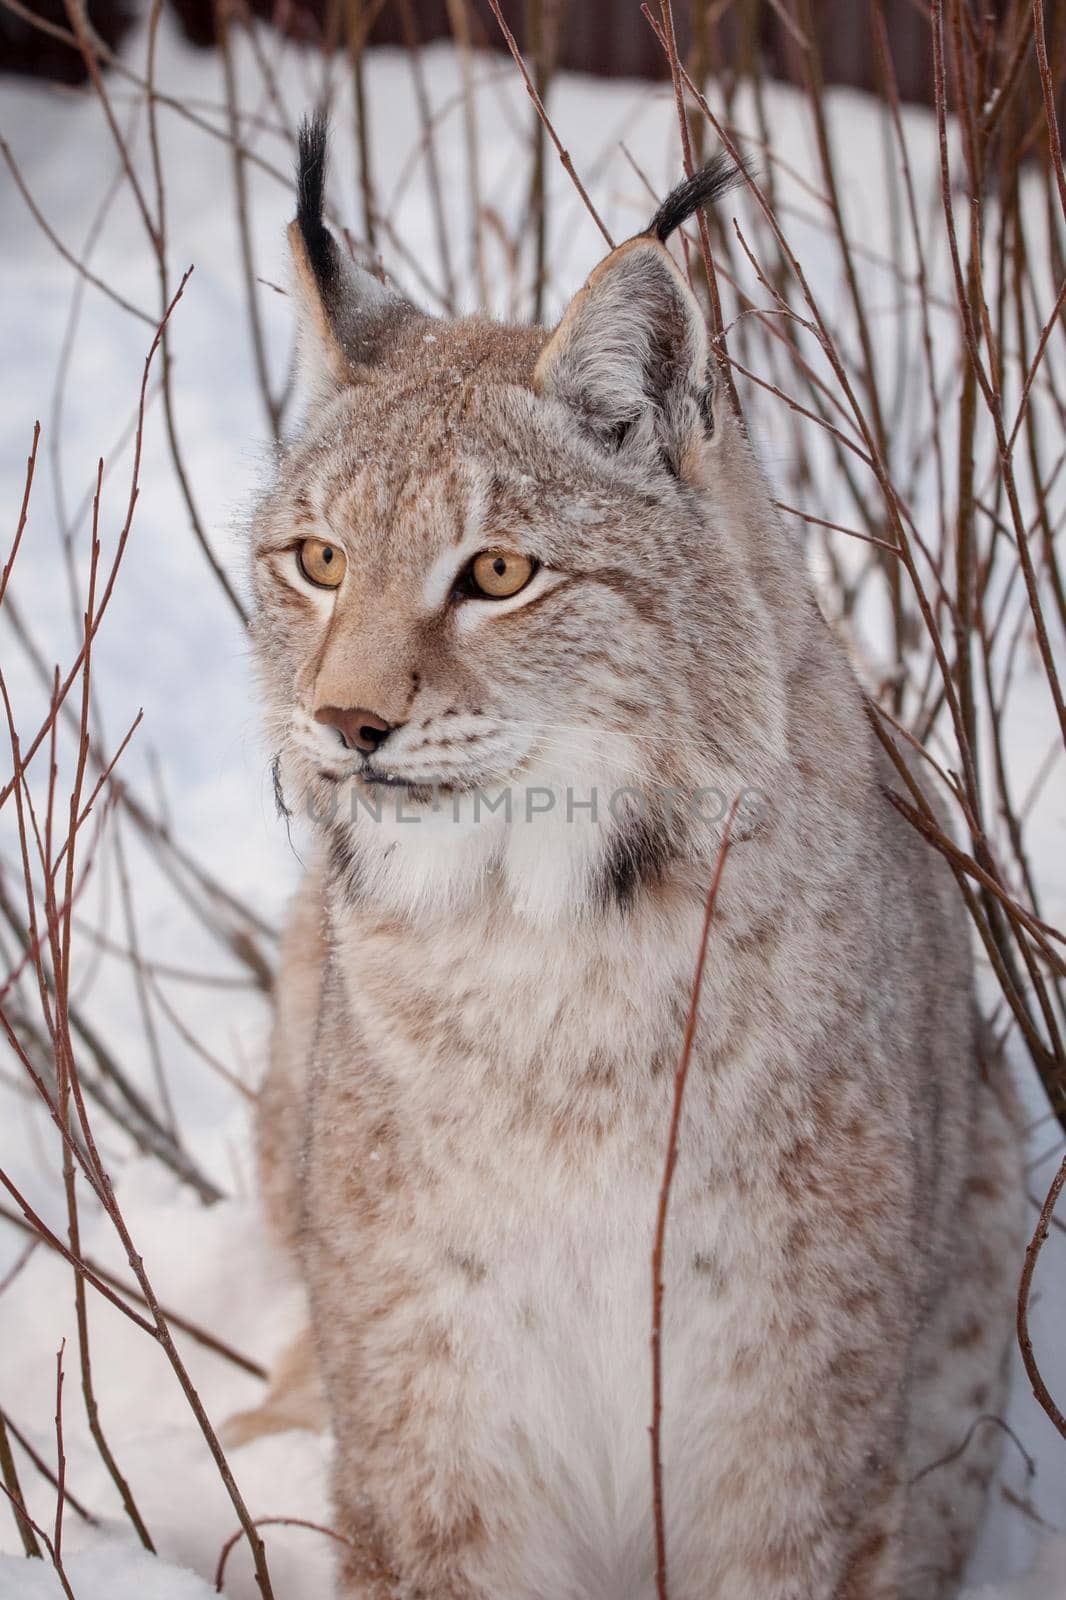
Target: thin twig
1025 1342
275 1522
13 1489
564 155
680 1080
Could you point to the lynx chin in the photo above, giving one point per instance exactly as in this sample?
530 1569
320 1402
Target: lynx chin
496 558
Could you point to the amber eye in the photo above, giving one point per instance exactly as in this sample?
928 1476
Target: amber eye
321 564
498 574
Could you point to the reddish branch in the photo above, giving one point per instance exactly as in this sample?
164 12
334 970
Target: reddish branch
35 1529
680 1080
96 617
564 155
9 1479
47 1472
103 1281
968 288
718 333
66 1104
274 1522
61 1459
1025 1342
57 244
24 512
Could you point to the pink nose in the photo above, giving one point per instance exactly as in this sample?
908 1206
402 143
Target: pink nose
360 729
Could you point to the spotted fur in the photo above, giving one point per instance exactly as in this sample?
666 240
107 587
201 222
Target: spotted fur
464 1124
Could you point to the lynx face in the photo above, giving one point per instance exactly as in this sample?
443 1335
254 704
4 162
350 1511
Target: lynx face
499 596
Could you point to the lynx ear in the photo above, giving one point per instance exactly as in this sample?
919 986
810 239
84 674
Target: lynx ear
347 318
629 357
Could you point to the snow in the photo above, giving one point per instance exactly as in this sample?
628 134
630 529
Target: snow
1047 1578
172 646
111 1571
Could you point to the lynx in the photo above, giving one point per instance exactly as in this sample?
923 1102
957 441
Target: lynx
529 630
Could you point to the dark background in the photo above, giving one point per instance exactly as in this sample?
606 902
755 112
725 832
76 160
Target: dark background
607 37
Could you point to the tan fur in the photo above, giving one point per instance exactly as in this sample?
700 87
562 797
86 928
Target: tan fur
296 1398
326 343
279 1133
464 1125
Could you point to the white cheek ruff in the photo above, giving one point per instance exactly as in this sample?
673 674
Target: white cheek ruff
549 845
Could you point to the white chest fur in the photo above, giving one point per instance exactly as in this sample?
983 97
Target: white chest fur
540 1147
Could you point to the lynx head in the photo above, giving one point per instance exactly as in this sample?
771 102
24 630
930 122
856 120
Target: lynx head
507 619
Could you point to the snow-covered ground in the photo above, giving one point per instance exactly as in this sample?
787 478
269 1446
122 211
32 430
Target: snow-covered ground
172 646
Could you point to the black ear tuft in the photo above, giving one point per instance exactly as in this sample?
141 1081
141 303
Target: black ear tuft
312 149
704 188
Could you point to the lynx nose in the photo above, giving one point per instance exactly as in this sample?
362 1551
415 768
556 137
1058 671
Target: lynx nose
360 729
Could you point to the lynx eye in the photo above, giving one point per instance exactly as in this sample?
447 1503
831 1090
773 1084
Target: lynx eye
321 564
498 574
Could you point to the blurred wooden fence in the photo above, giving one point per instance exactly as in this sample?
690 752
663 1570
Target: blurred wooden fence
612 39
607 37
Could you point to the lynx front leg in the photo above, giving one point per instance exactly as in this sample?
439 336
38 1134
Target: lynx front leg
412 1489
368 1571
784 1534
803 1435
803 1509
